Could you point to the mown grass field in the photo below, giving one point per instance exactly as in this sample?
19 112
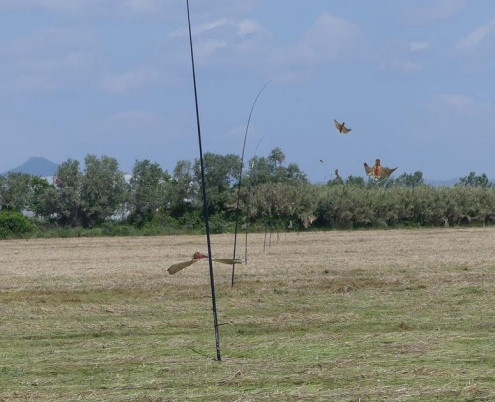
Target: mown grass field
361 315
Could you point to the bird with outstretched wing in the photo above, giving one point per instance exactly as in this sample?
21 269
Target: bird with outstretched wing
197 257
341 127
378 171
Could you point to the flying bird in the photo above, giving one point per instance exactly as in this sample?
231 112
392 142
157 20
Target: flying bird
321 160
200 256
378 171
341 127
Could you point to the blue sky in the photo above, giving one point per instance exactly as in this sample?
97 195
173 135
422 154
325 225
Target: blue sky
412 78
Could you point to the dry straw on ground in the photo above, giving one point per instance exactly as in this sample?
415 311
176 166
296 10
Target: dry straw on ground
341 315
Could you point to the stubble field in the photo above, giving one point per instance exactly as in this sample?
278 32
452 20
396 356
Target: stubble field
361 315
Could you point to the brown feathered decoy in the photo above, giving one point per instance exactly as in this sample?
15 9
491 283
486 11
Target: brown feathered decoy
200 256
378 171
309 221
341 127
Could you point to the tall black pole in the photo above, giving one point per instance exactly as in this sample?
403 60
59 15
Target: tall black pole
205 203
240 179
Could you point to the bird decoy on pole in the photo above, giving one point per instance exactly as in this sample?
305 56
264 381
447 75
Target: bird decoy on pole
197 257
378 171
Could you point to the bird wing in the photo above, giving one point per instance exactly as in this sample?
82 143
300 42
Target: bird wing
385 172
367 169
180 266
337 124
228 260
344 130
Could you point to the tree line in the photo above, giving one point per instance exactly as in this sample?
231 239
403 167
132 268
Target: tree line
274 193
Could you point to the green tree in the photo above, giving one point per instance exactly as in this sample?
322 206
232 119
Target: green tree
272 170
474 181
221 173
338 181
68 181
355 181
148 190
15 191
44 198
102 189
409 180
184 189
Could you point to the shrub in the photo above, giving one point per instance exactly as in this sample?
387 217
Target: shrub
14 224
355 207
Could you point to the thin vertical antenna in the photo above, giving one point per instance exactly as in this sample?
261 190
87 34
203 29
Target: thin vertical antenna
240 179
205 203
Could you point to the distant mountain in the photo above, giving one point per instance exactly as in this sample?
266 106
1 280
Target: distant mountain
36 166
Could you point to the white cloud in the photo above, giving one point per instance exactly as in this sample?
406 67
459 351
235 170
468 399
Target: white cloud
127 121
247 27
406 57
132 8
418 46
464 110
288 77
331 39
229 41
130 81
406 66
142 6
457 101
475 37
247 43
87 7
209 9
49 59
433 10
73 7
50 41
203 28
460 121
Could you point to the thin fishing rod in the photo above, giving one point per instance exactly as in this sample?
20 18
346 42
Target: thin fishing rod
205 202
240 179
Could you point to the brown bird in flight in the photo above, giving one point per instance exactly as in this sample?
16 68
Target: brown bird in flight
378 171
200 256
341 127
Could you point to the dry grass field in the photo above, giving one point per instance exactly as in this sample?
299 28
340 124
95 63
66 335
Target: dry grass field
360 315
